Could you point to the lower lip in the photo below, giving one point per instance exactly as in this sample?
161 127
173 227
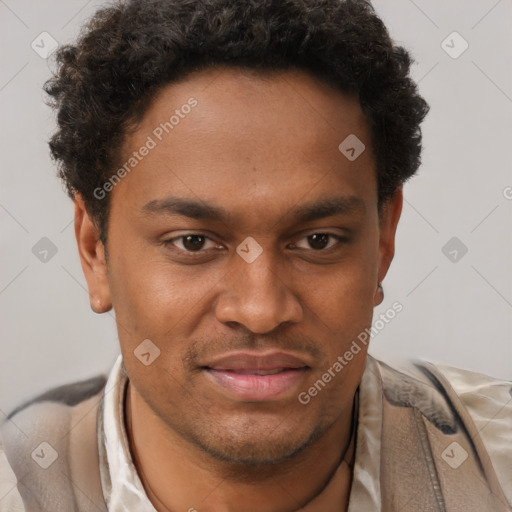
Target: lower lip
257 388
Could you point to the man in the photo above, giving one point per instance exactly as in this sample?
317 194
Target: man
237 170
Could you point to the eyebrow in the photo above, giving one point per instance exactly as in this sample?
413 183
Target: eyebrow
314 210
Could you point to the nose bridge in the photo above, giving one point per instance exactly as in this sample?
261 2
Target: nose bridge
260 278
257 296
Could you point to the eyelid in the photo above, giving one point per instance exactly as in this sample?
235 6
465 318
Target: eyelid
339 238
170 241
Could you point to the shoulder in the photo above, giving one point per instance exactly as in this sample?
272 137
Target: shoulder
68 394
48 416
416 383
55 432
485 397
488 402
447 395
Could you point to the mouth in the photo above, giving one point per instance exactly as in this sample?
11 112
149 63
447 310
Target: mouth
257 372
257 377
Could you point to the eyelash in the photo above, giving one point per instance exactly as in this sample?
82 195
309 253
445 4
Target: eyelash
167 243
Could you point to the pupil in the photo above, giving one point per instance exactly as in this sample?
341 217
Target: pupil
318 240
193 242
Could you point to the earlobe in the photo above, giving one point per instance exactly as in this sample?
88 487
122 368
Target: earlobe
379 295
389 218
92 258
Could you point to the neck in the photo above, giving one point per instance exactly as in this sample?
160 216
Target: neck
177 475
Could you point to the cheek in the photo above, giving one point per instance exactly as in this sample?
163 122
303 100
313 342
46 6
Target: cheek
144 301
135 290
342 300
342 314
141 284
155 300
343 308
349 286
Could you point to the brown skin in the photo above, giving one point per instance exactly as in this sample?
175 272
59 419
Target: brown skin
260 147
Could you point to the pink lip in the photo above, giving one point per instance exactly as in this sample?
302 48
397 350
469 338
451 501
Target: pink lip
236 374
255 388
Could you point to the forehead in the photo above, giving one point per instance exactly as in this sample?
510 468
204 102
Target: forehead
248 140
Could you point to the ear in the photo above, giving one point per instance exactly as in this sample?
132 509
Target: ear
390 215
92 258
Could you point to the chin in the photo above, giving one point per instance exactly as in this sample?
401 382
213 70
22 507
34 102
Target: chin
255 447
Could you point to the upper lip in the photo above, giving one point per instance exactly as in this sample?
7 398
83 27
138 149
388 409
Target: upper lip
256 361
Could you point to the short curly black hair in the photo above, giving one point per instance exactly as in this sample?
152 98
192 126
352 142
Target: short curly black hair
128 51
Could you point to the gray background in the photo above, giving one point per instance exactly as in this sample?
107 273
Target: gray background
458 311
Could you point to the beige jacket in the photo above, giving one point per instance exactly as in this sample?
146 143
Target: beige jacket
429 438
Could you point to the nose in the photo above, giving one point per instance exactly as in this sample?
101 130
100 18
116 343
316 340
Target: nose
257 296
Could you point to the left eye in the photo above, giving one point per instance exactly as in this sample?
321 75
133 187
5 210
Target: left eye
320 241
190 243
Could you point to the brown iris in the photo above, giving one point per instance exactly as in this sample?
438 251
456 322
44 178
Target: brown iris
318 240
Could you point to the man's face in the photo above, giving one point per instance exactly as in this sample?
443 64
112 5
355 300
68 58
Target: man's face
281 253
